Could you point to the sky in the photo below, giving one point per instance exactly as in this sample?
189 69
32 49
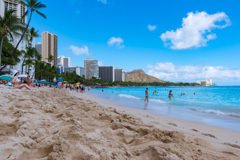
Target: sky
172 40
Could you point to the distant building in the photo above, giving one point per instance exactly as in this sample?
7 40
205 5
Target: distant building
67 62
60 60
203 83
64 61
107 73
124 76
207 82
118 74
49 47
91 68
39 48
20 10
60 68
79 70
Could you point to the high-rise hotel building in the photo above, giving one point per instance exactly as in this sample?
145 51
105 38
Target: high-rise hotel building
20 10
91 68
107 73
64 61
120 75
49 47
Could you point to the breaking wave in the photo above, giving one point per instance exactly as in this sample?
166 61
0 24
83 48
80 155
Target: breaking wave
217 112
128 96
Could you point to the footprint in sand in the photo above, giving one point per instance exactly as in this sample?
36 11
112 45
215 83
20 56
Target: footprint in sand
194 130
210 135
172 124
232 145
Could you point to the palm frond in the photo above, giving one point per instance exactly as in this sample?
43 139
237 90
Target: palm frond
41 14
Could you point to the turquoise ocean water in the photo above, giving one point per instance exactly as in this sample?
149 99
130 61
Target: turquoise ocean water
218 106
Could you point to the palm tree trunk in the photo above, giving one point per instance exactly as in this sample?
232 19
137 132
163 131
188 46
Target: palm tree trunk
14 52
1 48
22 65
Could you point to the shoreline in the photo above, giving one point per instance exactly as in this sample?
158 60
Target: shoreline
56 124
206 116
182 124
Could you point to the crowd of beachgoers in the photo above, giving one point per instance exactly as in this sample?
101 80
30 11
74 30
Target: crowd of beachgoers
31 84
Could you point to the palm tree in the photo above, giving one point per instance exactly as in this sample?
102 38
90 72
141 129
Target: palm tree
50 58
9 24
37 62
33 6
41 69
29 54
32 34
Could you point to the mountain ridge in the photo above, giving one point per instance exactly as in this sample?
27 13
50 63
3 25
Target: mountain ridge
138 75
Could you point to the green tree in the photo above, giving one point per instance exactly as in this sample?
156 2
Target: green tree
50 58
28 57
33 6
32 33
7 50
9 24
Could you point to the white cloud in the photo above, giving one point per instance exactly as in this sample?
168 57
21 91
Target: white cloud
79 51
151 28
100 63
196 30
169 71
103 1
118 41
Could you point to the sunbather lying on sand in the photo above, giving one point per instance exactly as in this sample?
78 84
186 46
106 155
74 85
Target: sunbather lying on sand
16 83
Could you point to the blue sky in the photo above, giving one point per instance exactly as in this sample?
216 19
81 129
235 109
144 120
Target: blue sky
150 35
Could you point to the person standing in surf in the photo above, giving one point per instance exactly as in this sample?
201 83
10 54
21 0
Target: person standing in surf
170 95
146 95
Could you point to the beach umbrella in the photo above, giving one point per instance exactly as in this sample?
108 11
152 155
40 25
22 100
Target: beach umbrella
6 78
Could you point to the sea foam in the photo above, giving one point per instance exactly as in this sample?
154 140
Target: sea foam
156 101
217 112
128 96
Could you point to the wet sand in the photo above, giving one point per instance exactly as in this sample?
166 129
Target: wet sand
54 125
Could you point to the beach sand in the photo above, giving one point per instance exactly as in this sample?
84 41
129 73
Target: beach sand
58 124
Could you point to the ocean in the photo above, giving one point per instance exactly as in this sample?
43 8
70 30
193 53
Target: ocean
215 105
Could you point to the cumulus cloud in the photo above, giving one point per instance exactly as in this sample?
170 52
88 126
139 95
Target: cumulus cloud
196 30
169 71
151 28
118 41
103 1
79 51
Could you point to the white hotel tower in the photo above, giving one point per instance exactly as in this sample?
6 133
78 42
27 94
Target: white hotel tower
20 10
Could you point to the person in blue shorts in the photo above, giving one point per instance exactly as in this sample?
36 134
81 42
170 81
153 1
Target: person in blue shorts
60 82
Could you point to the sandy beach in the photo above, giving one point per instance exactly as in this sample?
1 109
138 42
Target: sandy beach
49 124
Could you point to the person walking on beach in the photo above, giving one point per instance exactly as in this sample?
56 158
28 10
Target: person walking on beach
170 95
146 95
77 86
54 82
60 82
